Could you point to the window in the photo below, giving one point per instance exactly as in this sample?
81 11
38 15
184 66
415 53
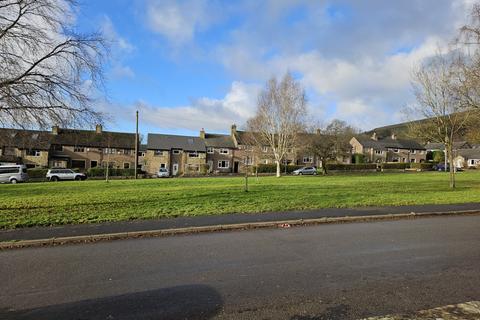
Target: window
378 152
80 164
93 163
163 165
176 151
10 170
413 160
193 167
110 151
265 149
78 149
307 159
210 150
193 154
223 164
158 153
395 150
265 161
224 151
33 153
248 161
413 151
395 160
126 165
58 164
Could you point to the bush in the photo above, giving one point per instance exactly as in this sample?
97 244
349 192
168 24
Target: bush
395 165
422 166
272 168
358 158
112 172
351 167
37 173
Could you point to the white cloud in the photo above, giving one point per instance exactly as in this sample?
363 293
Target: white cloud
120 49
212 114
178 21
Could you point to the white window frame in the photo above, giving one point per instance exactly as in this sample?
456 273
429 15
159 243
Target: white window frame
224 151
125 164
193 154
379 152
77 148
158 153
414 151
265 149
307 159
226 162
210 150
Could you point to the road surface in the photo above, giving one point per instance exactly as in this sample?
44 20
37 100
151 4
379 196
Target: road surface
343 271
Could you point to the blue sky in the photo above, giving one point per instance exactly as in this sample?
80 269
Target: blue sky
188 65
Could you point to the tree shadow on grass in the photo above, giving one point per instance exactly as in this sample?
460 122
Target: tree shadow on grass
181 302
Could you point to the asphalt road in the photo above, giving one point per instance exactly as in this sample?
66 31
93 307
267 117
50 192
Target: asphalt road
344 271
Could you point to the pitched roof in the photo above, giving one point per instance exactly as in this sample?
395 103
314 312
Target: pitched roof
167 142
90 138
441 146
469 153
382 144
71 137
219 141
25 139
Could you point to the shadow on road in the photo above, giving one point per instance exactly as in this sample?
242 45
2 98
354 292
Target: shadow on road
182 302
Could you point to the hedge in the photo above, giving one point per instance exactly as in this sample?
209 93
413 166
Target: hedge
351 167
395 165
358 158
113 172
422 166
272 168
37 173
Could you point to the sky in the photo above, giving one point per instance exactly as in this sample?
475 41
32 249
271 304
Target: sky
187 65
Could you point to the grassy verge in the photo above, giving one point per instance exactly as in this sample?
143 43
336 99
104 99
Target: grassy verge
24 205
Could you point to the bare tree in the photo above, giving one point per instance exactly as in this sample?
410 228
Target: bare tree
47 71
438 86
331 142
280 117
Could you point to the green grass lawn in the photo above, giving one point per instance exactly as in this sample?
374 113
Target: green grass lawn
34 204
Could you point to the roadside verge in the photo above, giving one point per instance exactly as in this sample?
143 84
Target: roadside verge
77 239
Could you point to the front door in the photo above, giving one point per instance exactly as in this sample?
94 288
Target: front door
175 169
235 167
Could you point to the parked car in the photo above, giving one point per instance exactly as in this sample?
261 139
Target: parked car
441 167
163 173
13 173
305 170
64 174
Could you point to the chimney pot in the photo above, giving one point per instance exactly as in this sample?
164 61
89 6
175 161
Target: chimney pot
98 128
233 130
55 130
202 133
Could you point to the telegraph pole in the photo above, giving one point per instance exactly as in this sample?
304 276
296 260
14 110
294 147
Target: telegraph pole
136 145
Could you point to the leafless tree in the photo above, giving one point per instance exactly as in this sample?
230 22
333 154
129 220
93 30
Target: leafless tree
47 71
437 85
331 142
280 117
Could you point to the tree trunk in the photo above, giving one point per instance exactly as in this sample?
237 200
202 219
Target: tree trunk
278 168
452 167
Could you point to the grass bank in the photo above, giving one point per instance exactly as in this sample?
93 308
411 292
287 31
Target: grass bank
35 204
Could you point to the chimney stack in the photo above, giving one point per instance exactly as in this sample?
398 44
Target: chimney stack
98 128
394 137
233 130
374 136
202 133
55 130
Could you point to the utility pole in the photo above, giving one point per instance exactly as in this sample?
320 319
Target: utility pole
136 145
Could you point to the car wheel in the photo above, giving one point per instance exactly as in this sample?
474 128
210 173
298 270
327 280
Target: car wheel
314 173
13 181
54 179
78 178
300 174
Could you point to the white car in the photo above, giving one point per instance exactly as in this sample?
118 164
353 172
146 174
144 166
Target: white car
13 173
163 173
64 174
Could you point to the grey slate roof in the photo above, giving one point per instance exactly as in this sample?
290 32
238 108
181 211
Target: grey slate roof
70 137
382 144
440 146
469 153
219 141
168 141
